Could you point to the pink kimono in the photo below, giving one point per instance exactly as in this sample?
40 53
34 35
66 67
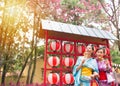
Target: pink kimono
102 67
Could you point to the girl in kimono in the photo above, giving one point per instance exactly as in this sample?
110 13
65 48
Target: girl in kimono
103 66
85 68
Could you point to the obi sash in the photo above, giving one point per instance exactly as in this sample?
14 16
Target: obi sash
102 75
86 71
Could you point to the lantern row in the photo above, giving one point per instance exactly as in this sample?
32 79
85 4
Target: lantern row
55 61
68 47
54 78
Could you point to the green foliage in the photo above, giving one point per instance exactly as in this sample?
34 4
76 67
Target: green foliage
94 1
115 54
18 64
15 45
70 3
40 51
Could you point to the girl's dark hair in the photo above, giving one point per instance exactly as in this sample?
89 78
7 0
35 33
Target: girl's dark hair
101 48
91 46
92 54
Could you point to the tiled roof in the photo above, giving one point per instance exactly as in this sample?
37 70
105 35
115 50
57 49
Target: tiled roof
75 29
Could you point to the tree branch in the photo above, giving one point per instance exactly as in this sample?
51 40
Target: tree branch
104 8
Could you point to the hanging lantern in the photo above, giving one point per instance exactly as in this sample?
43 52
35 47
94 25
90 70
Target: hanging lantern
68 47
53 78
68 78
81 48
107 51
68 62
55 45
53 61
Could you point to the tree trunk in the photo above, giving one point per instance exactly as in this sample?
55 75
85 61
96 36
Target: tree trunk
23 67
29 71
4 72
35 36
34 67
118 36
119 45
33 71
3 75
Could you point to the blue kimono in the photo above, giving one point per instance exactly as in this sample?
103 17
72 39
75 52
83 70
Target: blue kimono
90 63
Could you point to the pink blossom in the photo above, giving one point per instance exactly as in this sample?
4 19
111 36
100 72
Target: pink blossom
86 3
56 1
93 7
72 12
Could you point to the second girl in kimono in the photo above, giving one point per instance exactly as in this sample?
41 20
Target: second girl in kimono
103 66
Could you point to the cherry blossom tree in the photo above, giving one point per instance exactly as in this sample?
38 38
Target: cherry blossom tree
93 13
112 11
77 11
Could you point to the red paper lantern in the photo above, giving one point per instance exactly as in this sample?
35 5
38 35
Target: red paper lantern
68 47
68 78
55 45
81 49
68 62
53 78
53 61
107 51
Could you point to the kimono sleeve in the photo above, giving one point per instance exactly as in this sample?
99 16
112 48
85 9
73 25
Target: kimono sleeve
95 66
76 73
108 67
78 62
